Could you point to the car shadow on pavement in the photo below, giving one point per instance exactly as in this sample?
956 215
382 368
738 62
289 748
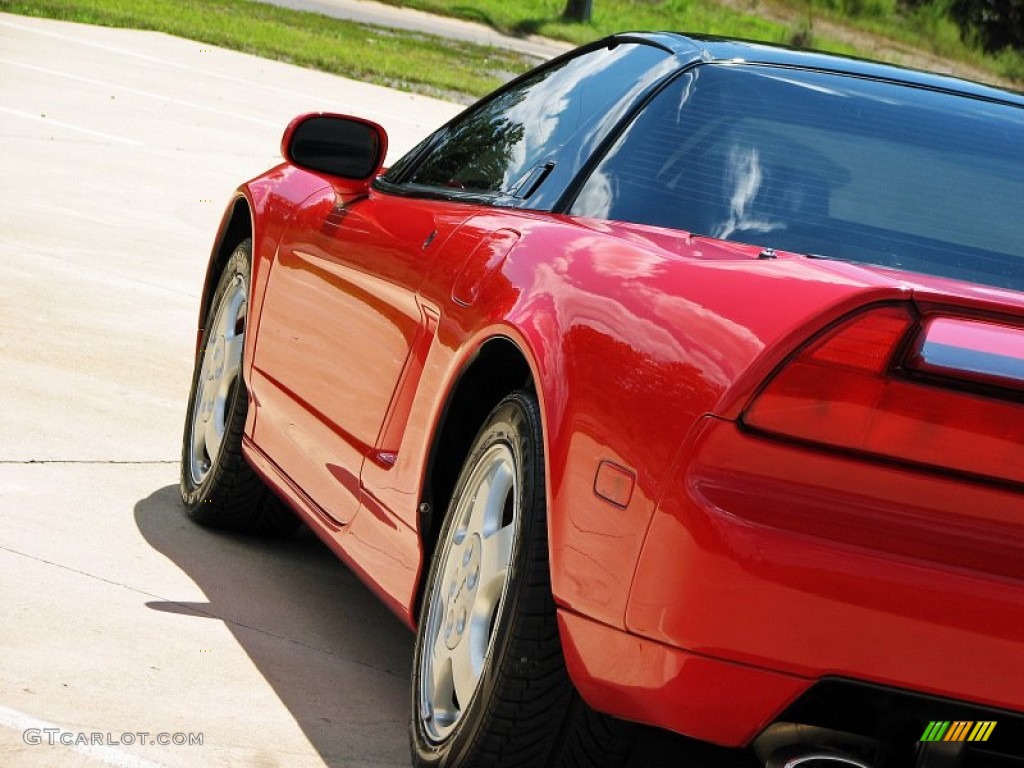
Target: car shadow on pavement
332 653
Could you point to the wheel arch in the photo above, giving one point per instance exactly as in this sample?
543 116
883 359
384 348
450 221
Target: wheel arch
236 224
496 367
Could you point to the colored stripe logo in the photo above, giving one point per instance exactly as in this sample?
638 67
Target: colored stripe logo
958 730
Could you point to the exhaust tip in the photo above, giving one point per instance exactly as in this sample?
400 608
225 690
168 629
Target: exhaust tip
813 757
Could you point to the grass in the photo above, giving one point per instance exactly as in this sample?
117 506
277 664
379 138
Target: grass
923 24
404 60
543 17
463 71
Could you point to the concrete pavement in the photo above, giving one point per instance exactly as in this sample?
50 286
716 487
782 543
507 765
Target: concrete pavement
122 149
118 616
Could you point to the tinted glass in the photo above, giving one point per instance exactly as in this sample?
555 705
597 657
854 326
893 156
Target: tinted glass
345 148
827 165
495 147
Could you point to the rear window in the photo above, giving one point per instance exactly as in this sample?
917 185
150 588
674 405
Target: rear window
827 165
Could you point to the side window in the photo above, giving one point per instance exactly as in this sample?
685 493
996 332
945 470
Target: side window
510 142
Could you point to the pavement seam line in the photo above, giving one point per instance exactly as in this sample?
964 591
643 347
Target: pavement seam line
94 272
206 72
72 127
117 462
191 608
140 92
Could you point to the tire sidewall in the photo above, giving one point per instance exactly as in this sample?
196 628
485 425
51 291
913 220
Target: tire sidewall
194 495
513 424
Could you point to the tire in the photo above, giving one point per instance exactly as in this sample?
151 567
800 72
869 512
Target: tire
490 686
218 487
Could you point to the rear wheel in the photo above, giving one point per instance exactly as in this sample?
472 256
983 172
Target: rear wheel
489 681
218 487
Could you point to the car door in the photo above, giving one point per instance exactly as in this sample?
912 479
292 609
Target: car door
339 318
341 311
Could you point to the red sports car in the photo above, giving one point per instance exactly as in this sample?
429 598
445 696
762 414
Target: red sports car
678 382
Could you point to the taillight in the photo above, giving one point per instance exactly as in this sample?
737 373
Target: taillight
943 391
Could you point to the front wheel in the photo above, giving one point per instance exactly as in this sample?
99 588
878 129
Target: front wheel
218 487
489 681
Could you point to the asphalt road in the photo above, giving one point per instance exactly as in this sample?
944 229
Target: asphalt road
121 623
381 14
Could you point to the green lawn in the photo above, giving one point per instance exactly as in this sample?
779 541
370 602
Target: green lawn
543 17
463 71
402 60
924 26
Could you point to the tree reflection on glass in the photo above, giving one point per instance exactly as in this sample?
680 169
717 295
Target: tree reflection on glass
477 153
494 146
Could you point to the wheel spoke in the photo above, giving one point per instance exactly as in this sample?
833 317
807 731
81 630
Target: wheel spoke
232 309
213 433
233 355
232 359
467 663
498 497
440 696
494 562
478 507
489 502
199 457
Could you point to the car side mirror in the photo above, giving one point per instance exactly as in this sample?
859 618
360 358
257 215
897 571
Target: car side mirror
348 148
